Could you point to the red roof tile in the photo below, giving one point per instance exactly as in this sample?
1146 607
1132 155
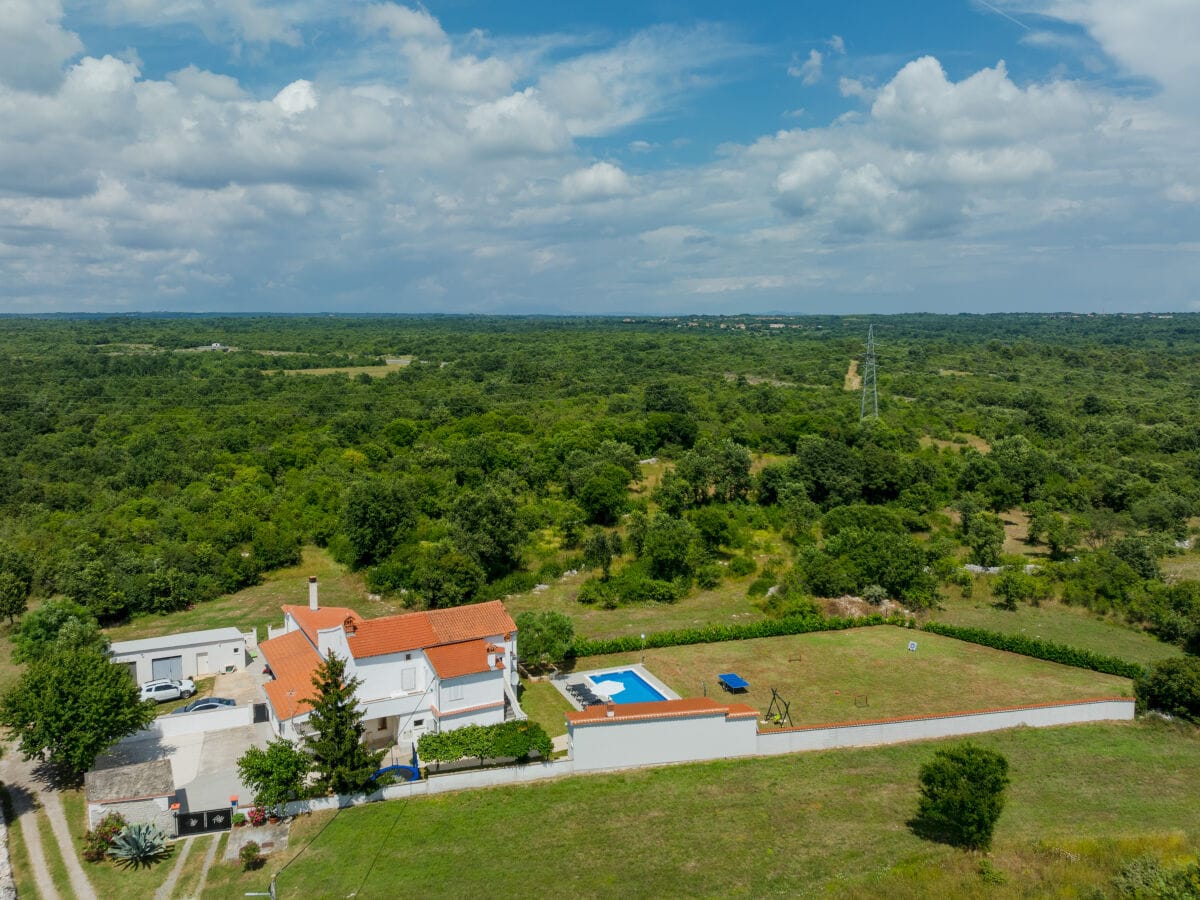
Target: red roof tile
456 660
312 621
465 623
659 709
292 660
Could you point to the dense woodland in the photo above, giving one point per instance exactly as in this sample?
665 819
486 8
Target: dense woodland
141 474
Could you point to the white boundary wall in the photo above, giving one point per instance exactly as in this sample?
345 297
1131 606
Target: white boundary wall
170 726
897 731
795 740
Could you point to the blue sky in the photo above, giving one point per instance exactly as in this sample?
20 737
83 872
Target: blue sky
652 157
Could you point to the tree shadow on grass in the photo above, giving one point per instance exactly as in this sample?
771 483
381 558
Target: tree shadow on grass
932 830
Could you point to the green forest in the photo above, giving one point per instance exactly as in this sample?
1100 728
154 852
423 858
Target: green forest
149 464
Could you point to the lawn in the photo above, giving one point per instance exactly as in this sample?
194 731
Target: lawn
106 878
1056 622
869 673
545 705
828 823
18 853
258 606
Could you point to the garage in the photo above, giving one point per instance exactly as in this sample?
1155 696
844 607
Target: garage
191 654
167 667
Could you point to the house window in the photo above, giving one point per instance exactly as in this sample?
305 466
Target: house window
454 692
407 656
408 679
417 723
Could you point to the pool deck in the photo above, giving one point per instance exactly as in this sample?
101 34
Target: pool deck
562 682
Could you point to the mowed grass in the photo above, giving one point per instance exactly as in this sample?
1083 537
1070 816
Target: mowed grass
726 604
1059 623
1082 798
105 877
258 606
18 852
869 673
545 705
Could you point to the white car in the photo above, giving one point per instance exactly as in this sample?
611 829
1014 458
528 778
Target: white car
164 689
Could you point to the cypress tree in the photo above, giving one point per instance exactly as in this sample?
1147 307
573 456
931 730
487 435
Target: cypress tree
341 761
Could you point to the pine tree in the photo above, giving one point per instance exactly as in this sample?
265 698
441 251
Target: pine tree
341 761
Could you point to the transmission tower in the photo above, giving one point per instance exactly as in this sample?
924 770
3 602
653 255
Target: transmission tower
870 381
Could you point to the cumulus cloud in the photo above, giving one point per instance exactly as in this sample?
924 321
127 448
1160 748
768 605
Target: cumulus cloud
518 124
402 21
597 182
297 97
34 45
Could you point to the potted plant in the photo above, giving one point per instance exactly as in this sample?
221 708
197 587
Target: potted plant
256 815
239 820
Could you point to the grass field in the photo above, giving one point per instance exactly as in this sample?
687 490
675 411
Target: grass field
258 606
1083 799
1057 622
18 853
869 673
544 705
106 878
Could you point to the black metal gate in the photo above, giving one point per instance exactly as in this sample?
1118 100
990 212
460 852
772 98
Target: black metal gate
203 821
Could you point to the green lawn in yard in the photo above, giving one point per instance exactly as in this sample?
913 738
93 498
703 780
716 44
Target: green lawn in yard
869 673
18 852
545 705
1060 623
1082 799
106 878
258 606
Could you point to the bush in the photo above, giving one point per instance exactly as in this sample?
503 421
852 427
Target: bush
760 586
99 840
962 795
251 856
239 819
1171 686
708 576
742 565
1059 653
256 815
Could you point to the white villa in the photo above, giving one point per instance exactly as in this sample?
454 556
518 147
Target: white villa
420 671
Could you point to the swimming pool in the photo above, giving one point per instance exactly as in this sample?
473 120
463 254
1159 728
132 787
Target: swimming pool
624 686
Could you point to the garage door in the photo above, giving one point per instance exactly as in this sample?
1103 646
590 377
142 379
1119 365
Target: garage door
167 667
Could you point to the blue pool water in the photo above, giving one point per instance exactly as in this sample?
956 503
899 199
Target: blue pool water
635 688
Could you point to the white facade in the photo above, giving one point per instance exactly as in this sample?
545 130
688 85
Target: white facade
192 654
619 743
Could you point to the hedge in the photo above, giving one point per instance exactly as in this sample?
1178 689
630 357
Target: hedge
1048 650
712 634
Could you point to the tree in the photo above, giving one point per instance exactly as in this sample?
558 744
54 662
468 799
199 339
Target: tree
545 638
14 596
446 576
343 765
486 525
55 625
667 547
712 524
1172 686
603 492
985 538
373 519
598 551
276 774
962 795
70 706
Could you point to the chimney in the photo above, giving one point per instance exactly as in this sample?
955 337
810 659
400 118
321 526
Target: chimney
312 593
611 710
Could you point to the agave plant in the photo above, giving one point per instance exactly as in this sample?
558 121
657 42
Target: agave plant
139 846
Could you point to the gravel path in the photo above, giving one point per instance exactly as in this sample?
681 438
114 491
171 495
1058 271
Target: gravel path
26 815
208 861
165 890
58 822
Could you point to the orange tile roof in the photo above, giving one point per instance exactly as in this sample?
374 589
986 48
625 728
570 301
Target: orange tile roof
312 621
465 623
422 630
659 709
292 660
463 658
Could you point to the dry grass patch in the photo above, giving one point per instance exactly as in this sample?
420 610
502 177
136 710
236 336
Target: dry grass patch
853 380
869 673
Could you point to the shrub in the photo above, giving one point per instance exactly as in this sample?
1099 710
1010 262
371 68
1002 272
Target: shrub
962 795
1038 649
708 576
239 819
596 591
1147 877
139 846
759 586
98 841
251 856
742 565
1171 686
256 815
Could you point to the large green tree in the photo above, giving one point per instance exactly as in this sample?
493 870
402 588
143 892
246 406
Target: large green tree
54 626
545 638
962 795
276 774
340 760
70 706
486 525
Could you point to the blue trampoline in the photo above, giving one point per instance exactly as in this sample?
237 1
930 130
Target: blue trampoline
733 683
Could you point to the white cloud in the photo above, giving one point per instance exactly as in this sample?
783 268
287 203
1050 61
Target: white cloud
297 97
402 21
597 182
809 72
33 44
517 124
837 45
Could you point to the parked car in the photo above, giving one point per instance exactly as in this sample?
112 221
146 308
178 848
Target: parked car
162 689
206 703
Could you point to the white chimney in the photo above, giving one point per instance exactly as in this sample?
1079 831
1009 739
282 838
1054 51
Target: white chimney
491 659
610 711
312 593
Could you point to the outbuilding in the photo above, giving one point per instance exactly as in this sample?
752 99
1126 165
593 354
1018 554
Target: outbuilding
142 792
191 654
